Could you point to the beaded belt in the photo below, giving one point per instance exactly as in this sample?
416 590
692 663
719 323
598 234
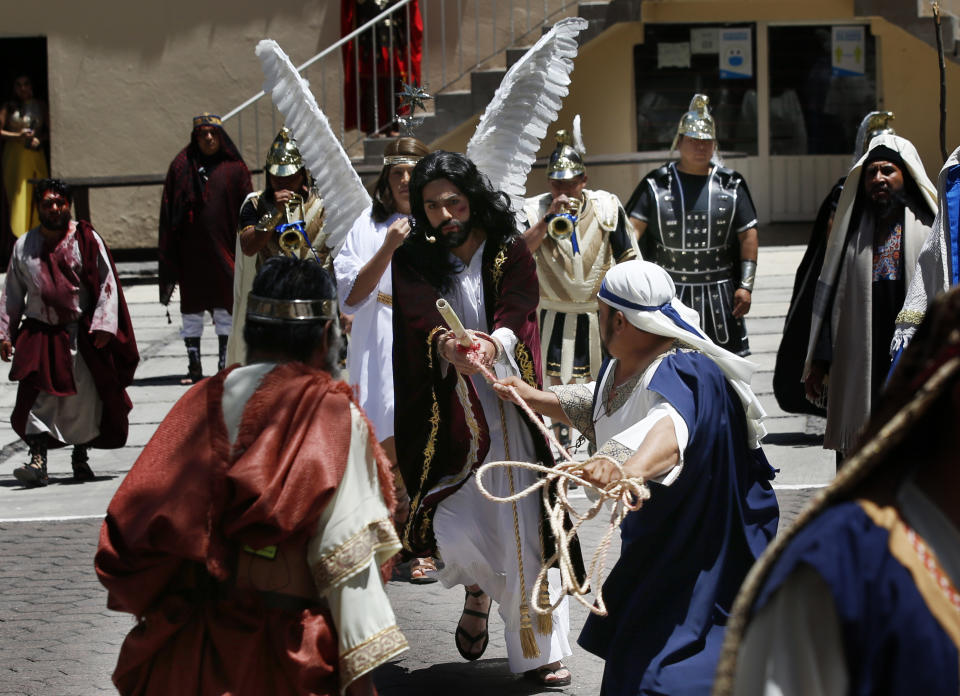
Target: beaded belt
385 299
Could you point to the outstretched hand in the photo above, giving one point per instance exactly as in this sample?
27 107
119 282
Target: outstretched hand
457 355
601 471
502 389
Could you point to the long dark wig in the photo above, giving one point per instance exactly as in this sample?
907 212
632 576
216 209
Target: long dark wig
489 211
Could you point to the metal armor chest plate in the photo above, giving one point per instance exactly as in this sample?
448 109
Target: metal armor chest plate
694 246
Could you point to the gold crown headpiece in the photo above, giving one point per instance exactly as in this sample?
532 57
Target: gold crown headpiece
268 310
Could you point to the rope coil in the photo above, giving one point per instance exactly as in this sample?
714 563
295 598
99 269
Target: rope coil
627 494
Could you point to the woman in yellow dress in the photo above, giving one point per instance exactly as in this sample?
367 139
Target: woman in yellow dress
23 122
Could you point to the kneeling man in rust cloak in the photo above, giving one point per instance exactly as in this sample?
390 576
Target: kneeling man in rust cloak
249 536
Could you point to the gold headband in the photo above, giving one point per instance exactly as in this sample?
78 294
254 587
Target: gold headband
400 159
268 310
207 119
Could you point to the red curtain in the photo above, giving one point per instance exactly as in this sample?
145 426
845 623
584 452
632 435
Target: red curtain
370 55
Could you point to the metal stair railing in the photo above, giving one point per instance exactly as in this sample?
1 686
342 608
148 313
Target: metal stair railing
482 31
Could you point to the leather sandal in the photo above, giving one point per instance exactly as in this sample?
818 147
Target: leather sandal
547 676
483 637
423 571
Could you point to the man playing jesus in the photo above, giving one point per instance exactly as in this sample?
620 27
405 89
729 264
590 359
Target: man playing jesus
464 247
671 407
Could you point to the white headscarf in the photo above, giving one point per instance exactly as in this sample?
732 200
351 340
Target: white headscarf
646 295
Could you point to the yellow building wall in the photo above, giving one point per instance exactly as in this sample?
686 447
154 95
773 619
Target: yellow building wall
602 88
125 79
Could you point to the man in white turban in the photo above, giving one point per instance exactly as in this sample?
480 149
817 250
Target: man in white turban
671 407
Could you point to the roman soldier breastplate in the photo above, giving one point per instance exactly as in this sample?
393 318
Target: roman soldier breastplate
694 246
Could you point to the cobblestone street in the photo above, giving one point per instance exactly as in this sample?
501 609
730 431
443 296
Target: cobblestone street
58 637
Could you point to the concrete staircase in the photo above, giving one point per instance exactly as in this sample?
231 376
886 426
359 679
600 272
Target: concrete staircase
452 108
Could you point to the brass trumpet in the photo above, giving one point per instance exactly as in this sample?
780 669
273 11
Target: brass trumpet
562 225
290 234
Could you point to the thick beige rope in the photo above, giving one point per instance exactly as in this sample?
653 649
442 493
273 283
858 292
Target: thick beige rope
627 494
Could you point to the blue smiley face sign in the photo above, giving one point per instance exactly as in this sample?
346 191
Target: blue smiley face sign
736 53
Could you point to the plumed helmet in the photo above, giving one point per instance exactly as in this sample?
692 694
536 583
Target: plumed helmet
697 123
283 158
872 125
565 161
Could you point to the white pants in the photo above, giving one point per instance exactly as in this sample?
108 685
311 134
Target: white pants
193 323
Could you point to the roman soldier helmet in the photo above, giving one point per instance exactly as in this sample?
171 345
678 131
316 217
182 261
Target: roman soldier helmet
566 161
283 158
873 124
697 123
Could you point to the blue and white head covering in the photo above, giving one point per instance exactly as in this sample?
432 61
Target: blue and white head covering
646 295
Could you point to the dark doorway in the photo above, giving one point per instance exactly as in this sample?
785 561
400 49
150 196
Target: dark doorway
21 56
24 56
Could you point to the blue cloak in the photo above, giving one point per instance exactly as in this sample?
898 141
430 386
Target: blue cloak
686 552
892 642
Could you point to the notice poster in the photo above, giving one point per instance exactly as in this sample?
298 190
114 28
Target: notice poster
673 55
704 40
736 53
847 51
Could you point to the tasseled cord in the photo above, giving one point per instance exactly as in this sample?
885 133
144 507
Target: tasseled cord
528 641
544 621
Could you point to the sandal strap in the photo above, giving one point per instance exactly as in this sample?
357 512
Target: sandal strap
478 614
477 593
469 636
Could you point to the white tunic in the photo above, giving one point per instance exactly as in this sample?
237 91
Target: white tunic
71 419
475 536
621 420
370 351
367 632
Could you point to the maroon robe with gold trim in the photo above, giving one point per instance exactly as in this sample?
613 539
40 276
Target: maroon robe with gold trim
433 439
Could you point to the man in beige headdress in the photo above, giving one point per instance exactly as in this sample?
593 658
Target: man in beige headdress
882 220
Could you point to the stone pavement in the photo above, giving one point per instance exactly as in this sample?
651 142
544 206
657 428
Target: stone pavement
57 636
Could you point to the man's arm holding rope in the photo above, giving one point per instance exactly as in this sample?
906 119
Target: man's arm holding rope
546 403
658 453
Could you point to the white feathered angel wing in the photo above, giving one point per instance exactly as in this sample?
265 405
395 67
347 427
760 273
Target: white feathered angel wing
344 195
528 100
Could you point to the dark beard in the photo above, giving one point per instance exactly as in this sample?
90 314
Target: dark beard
885 210
453 239
57 223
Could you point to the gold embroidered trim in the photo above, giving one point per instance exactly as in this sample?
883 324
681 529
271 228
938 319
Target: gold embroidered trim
616 451
354 554
463 394
429 449
385 299
576 402
525 362
370 654
923 567
910 316
498 263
